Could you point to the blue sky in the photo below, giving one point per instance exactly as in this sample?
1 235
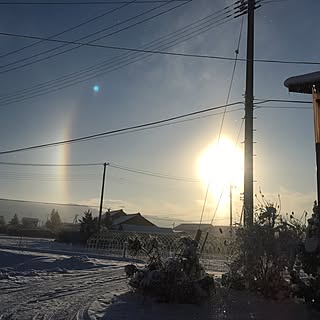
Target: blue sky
154 88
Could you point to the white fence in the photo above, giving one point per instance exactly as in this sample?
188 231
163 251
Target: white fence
110 249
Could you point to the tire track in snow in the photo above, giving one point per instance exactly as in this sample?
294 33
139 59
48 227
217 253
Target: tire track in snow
61 297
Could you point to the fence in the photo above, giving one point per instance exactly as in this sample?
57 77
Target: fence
113 245
214 256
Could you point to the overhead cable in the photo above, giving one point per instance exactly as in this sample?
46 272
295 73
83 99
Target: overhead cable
90 72
153 174
69 29
90 43
222 122
106 133
68 3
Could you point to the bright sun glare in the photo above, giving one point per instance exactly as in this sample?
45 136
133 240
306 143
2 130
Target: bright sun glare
220 165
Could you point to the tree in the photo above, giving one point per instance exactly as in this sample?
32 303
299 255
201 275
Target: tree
89 225
2 221
14 221
54 223
2 224
106 220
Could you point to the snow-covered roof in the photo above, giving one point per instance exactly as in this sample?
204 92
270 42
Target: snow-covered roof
303 83
125 218
116 212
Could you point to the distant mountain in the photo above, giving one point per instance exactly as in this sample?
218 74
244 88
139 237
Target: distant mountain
41 210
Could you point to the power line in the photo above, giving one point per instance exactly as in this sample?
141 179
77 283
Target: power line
112 165
283 107
153 174
222 121
177 54
106 133
172 123
274 1
51 203
90 43
24 3
69 29
48 177
151 216
113 63
24 164
261 101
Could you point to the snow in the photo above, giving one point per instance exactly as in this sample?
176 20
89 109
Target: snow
65 284
303 83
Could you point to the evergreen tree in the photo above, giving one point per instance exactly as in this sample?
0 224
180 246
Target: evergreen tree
14 221
2 222
54 223
2 225
106 220
89 225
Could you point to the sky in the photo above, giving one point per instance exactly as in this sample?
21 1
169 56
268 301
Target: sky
82 91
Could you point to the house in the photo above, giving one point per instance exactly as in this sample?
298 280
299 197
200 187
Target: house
29 222
68 226
134 222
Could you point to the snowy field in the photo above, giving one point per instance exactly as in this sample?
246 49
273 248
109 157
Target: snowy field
39 279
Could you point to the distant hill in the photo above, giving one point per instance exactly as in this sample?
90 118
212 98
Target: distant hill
41 210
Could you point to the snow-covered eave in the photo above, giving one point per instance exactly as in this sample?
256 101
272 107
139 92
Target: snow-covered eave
304 83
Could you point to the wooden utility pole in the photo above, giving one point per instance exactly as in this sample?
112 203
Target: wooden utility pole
102 193
248 135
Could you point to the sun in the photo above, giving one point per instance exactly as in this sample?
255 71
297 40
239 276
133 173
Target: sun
221 165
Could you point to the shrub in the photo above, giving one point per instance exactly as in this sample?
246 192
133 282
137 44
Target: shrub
306 275
264 252
180 278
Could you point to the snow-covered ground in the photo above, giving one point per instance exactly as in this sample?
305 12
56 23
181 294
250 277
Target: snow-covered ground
41 280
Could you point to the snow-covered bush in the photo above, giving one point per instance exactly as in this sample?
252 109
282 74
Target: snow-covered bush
180 278
264 253
306 275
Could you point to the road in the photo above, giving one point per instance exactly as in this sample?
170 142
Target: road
58 296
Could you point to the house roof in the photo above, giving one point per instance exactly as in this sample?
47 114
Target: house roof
116 212
125 218
26 219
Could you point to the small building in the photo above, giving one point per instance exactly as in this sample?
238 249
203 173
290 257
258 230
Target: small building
29 222
125 226
68 226
134 222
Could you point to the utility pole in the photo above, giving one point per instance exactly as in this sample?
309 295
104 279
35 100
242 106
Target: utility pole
102 193
248 135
